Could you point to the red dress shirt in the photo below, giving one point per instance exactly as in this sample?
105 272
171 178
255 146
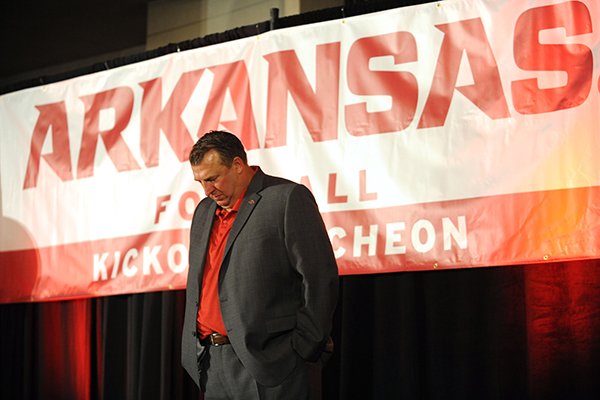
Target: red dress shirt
209 317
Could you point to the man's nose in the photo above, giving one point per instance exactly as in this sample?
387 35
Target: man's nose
208 187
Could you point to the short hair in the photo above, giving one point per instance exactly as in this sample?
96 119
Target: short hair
225 143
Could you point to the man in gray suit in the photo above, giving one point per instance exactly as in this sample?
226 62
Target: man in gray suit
262 282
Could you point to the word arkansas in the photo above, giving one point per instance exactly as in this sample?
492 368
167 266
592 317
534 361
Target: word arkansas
320 107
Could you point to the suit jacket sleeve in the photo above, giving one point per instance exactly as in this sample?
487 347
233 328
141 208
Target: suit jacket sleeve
311 254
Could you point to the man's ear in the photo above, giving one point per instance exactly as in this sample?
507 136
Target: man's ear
237 164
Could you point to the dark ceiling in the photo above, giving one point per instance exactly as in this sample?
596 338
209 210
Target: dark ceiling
40 34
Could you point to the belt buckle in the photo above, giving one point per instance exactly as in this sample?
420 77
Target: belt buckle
212 339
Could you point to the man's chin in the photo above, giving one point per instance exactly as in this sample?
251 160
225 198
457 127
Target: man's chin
222 203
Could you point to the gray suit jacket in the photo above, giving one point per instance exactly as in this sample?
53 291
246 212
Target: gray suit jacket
278 282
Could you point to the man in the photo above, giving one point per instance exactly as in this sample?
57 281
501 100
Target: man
262 282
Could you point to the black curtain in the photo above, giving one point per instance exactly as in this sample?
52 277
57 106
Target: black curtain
519 332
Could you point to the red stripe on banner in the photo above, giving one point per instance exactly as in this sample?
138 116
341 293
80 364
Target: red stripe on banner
510 229
521 228
143 263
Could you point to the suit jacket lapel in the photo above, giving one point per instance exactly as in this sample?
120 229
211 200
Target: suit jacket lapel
251 199
200 241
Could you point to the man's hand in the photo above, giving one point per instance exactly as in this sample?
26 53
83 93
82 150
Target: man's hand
328 345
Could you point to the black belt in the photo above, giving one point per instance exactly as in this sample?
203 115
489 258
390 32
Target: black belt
215 339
